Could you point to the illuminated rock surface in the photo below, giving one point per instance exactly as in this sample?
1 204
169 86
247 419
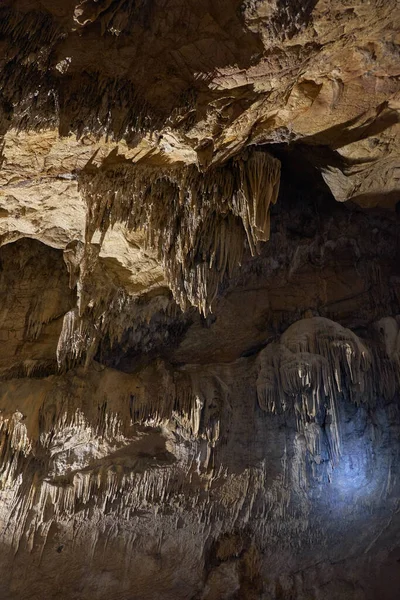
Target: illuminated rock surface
200 300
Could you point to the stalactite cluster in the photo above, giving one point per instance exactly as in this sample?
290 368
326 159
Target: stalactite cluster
316 364
198 222
43 467
34 97
185 410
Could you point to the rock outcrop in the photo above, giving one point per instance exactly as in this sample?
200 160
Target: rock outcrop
200 314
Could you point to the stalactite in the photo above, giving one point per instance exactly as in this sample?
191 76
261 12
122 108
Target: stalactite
105 311
65 481
197 221
92 103
316 363
14 446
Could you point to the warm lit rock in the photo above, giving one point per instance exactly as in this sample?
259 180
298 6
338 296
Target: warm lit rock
200 300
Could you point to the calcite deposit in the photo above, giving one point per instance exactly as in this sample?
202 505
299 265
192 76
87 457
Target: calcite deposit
199 300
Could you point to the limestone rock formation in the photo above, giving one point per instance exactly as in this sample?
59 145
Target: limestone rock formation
200 300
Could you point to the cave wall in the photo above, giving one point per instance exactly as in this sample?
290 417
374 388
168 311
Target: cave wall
253 454
199 300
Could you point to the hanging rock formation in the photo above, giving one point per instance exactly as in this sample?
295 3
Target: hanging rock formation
200 300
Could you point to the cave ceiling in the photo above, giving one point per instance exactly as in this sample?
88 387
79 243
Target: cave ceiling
199 299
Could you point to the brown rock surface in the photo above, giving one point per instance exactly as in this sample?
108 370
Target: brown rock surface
200 300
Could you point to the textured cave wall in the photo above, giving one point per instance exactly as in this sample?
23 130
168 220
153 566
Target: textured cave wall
199 300
250 454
